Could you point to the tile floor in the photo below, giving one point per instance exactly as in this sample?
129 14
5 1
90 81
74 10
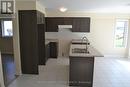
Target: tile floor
108 72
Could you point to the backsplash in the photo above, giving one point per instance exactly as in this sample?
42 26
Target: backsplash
64 36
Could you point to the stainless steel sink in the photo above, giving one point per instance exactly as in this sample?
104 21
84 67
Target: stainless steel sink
80 50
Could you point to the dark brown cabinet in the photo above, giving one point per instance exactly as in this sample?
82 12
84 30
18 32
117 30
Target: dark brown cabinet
47 51
53 49
79 24
41 43
76 25
52 24
67 21
81 71
32 39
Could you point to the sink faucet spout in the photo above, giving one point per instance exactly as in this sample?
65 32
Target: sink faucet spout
85 39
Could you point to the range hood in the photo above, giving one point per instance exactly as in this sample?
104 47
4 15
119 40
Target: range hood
64 26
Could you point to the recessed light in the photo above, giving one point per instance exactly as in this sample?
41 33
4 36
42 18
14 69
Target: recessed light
63 9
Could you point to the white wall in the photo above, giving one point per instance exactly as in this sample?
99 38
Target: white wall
64 36
40 7
128 46
102 31
102 36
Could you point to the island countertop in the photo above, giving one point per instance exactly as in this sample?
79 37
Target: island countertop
50 40
92 51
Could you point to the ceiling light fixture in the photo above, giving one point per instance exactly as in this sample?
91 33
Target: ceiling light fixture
63 9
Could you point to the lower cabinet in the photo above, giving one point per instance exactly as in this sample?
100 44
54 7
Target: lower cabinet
81 71
47 51
53 49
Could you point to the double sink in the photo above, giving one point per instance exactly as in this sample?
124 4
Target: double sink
83 41
80 50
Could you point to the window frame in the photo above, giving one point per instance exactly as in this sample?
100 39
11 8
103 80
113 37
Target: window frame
125 32
2 26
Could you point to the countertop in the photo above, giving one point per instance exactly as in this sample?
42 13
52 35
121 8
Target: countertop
92 51
51 40
78 41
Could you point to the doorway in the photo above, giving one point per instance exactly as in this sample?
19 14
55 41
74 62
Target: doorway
6 48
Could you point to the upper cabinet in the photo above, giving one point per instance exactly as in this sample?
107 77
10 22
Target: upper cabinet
40 18
52 24
79 24
67 21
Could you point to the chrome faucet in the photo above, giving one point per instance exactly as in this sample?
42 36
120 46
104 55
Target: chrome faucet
85 39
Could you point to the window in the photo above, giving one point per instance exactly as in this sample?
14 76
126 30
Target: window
7 28
121 33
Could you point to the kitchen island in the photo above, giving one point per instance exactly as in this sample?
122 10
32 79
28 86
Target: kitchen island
82 65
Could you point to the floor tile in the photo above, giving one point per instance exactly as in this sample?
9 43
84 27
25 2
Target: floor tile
108 72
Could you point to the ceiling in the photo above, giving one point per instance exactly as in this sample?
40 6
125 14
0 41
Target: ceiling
89 5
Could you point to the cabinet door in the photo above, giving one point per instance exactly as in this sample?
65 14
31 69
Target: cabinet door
81 25
67 20
81 71
76 25
47 51
52 24
84 25
53 49
28 41
41 44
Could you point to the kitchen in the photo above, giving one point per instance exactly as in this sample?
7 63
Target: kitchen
56 48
